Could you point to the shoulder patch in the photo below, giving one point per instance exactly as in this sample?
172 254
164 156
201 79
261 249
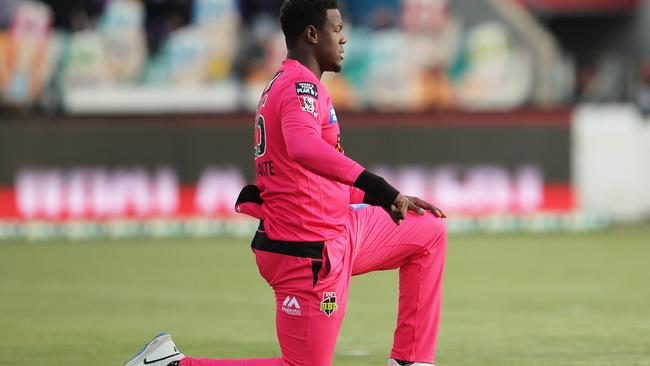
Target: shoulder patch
306 88
308 104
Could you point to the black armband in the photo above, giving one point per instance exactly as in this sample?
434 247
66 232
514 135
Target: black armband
378 191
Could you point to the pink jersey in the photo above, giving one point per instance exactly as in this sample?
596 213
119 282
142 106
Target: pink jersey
304 178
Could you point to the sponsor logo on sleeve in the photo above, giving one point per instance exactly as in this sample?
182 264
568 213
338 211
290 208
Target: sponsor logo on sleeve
308 104
333 117
306 88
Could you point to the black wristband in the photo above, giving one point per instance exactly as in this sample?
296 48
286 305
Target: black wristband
371 200
378 191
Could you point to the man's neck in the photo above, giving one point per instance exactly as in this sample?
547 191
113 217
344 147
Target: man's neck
306 59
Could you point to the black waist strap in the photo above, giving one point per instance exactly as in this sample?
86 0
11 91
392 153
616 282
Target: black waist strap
295 249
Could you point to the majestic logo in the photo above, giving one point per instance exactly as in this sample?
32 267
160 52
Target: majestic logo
329 305
291 306
305 88
308 104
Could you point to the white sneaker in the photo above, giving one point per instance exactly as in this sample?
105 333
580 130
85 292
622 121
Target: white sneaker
392 362
160 351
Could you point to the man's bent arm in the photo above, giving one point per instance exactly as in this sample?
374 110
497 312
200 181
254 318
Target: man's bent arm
306 147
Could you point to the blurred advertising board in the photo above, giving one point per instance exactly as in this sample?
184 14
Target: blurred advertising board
178 168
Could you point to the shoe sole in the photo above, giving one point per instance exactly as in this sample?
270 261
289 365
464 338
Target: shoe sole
142 354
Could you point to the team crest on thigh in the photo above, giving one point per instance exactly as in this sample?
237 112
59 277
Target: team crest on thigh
329 305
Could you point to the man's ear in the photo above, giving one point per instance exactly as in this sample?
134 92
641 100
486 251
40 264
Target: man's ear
311 34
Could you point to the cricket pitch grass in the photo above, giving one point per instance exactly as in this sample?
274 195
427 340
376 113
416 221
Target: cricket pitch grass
558 299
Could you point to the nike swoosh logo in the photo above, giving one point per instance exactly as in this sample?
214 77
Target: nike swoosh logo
149 362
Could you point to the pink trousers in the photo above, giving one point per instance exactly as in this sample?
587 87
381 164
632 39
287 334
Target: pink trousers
311 293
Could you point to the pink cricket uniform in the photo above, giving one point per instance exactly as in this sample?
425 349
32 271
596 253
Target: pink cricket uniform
305 181
314 240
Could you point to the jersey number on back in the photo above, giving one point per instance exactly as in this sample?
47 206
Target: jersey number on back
260 128
260 137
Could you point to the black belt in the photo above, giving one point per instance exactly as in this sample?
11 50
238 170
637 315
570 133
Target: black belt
301 249
313 249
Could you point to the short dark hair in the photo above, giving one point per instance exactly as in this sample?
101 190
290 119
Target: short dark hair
296 15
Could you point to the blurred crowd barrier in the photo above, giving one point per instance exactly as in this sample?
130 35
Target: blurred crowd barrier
86 177
401 55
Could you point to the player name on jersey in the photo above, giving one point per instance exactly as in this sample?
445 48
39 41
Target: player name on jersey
265 168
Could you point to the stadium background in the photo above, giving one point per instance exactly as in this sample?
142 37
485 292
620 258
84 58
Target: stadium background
128 124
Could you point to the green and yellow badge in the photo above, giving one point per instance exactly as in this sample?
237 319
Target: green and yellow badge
328 305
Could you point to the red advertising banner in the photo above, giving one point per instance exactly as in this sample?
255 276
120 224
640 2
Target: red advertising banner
101 193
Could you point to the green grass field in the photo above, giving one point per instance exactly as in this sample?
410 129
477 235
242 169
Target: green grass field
520 300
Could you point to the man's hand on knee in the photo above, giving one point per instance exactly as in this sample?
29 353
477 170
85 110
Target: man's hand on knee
421 206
